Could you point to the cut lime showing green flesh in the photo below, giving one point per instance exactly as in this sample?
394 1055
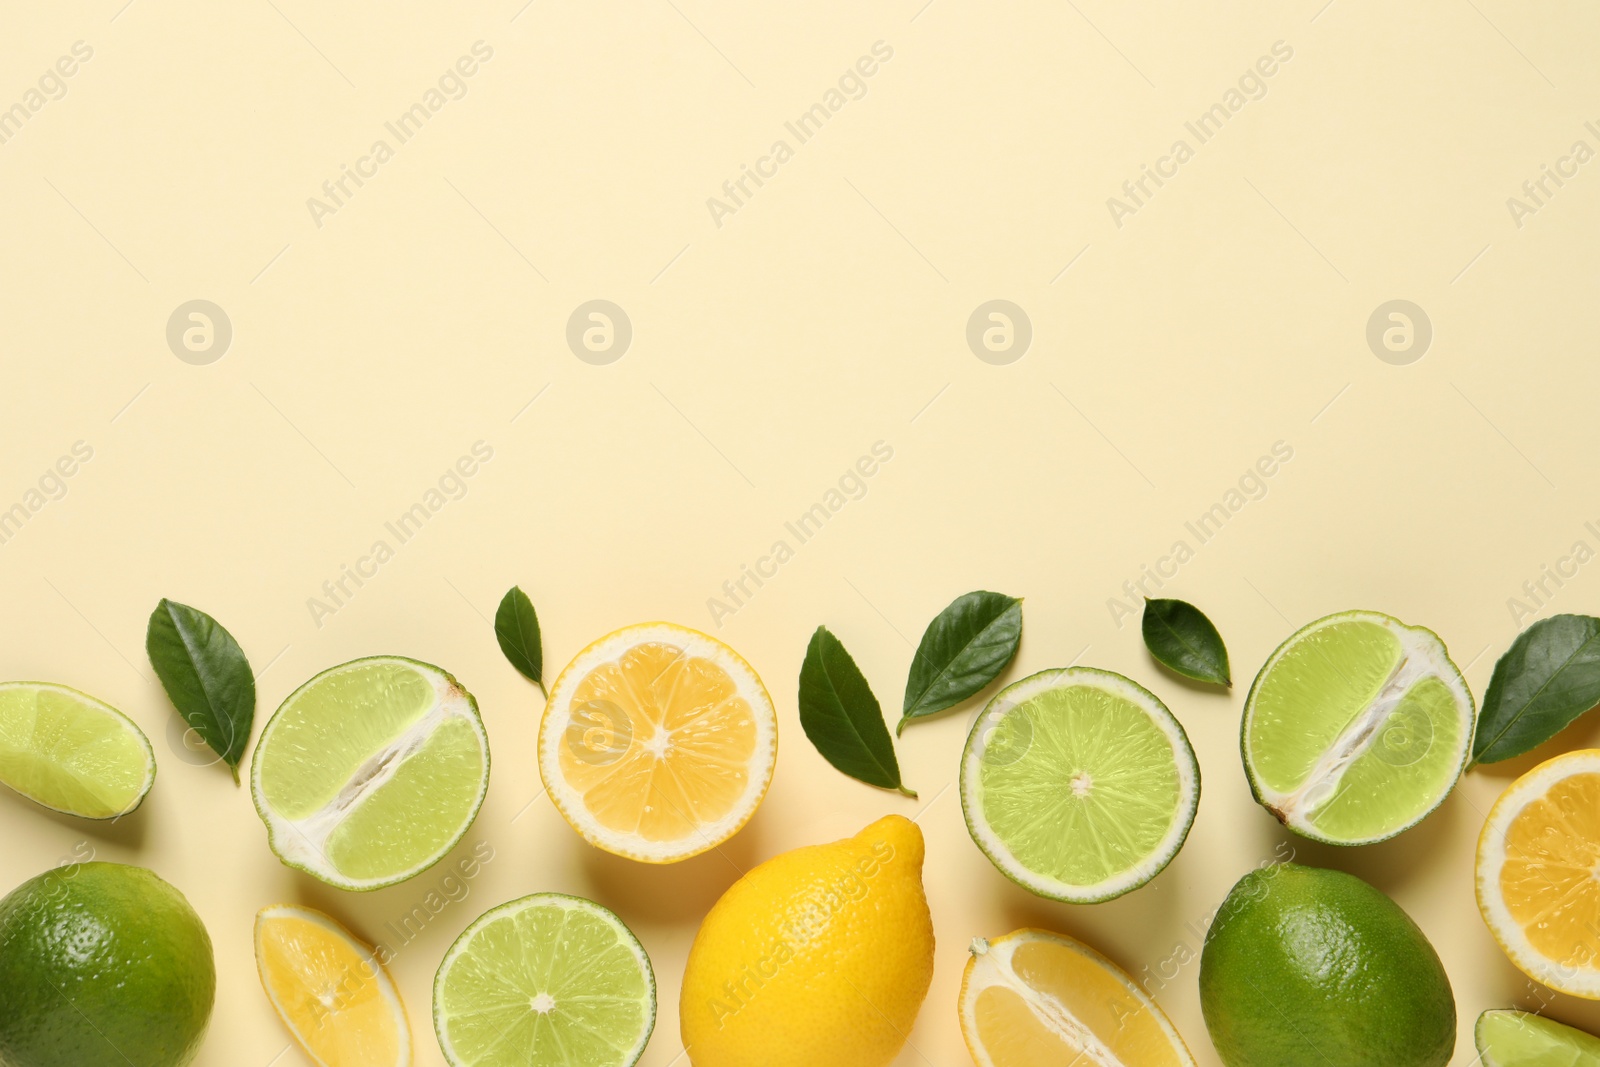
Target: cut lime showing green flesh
1520 1039
1078 784
1356 728
71 752
371 771
545 981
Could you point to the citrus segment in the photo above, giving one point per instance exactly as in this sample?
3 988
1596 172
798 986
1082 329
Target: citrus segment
1078 784
1037 999
1356 728
72 753
329 989
1520 1039
658 742
545 981
371 771
1536 882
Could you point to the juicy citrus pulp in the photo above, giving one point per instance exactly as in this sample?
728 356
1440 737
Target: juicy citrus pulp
1037 999
71 752
545 981
658 742
1520 1039
1356 728
330 990
371 771
821 955
102 965
1308 966
1536 873
1078 784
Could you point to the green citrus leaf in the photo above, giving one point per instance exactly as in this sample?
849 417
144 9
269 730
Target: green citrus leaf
516 627
206 676
962 650
1179 636
1548 677
842 718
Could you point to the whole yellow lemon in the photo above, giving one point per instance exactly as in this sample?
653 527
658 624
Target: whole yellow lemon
820 957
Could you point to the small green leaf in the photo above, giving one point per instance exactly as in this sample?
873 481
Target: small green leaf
517 629
1179 636
842 718
206 676
962 650
1548 677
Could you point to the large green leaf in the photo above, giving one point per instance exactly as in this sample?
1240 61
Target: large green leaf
1179 636
1548 677
841 716
962 650
206 676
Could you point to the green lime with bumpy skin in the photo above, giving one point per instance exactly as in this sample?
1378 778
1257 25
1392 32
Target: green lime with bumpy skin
1310 966
102 965
1078 784
1356 728
371 771
545 981
1508 1038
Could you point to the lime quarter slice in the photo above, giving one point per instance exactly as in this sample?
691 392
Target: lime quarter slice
1521 1039
72 753
545 981
371 771
1356 728
1079 784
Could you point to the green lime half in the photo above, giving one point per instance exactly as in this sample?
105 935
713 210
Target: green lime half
1521 1039
71 752
1356 728
1078 784
371 771
545 981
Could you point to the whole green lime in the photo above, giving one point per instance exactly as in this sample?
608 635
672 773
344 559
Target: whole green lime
102 965
1308 966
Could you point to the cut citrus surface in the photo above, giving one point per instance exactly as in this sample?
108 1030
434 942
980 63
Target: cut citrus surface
1078 784
371 771
1508 1038
330 990
545 981
658 742
72 753
1037 999
1537 858
1356 728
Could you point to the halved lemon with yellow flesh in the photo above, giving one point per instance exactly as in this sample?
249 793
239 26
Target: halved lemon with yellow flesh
1539 873
330 990
658 742
1037 999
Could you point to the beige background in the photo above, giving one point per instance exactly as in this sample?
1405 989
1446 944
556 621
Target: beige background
769 353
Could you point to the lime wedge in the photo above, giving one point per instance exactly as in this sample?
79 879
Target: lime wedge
1356 728
545 981
371 771
71 752
1078 784
1520 1039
